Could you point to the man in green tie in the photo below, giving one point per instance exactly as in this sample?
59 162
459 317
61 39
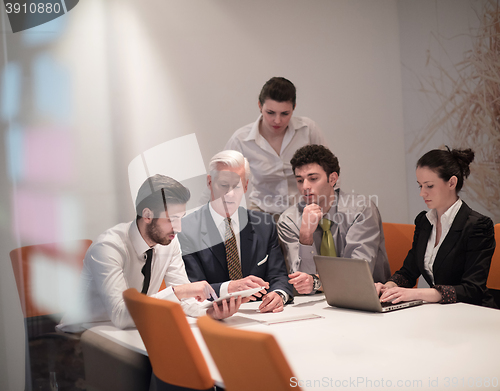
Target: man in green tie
328 221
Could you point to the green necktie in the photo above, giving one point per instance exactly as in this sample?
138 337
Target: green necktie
327 245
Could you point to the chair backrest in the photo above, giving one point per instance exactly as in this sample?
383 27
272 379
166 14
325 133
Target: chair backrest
246 360
173 351
494 276
398 241
25 261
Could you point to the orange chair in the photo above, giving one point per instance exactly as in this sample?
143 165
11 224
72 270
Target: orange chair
172 348
49 352
247 360
494 276
398 241
22 258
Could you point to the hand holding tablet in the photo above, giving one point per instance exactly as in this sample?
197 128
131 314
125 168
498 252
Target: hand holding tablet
243 294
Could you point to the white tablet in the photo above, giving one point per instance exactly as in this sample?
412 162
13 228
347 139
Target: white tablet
245 293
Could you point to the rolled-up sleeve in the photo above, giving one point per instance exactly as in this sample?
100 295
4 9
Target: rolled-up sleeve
363 237
176 275
288 233
107 269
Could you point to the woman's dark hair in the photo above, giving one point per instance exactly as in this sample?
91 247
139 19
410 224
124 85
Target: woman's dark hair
448 163
278 89
159 191
316 154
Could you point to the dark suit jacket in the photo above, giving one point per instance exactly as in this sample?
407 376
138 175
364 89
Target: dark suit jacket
204 252
463 260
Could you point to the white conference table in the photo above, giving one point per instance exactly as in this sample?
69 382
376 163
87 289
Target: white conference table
430 347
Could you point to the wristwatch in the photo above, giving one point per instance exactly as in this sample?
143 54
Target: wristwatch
283 299
316 282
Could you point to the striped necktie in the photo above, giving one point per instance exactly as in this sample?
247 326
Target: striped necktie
232 257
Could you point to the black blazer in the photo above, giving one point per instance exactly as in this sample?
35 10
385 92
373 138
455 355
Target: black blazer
463 260
204 252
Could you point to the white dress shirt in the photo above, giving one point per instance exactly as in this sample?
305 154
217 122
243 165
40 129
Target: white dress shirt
446 221
112 265
272 187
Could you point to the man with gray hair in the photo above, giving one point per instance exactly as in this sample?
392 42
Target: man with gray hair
233 248
141 254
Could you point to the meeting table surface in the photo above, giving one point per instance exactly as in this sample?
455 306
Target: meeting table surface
429 347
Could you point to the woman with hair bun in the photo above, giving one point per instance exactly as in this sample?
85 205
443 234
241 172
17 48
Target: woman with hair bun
452 244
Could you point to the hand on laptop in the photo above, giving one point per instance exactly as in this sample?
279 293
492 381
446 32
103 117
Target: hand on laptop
397 294
381 288
394 294
302 282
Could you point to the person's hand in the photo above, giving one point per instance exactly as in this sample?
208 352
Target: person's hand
397 294
302 282
311 217
382 287
248 283
200 290
225 309
271 302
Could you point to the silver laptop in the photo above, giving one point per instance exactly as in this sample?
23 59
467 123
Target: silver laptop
348 283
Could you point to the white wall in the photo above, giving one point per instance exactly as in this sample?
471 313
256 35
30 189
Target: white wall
204 64
436 37
144 72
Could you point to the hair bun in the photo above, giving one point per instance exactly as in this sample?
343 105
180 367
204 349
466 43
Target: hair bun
464 158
